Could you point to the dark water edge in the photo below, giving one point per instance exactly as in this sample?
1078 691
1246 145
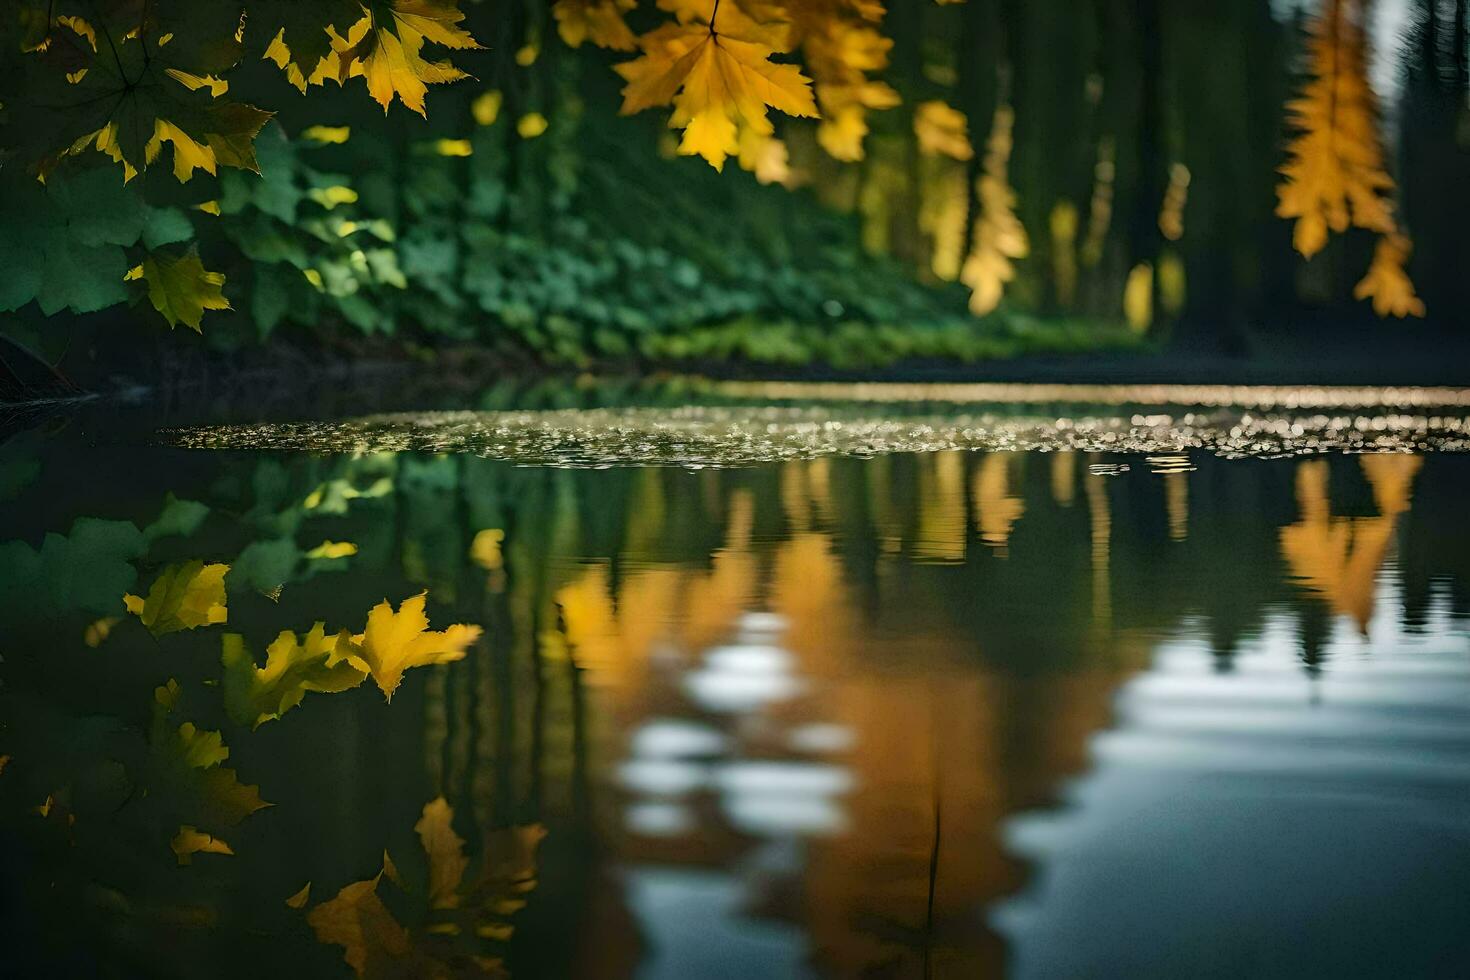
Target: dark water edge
389 375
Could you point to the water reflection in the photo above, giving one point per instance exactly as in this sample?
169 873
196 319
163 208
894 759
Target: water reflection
940 714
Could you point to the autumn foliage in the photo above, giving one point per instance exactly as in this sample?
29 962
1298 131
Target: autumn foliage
164 85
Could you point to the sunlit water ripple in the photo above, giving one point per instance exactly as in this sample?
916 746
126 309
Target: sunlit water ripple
1232 423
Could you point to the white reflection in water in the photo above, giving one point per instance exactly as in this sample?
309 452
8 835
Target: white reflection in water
1236 806
733 739
743 679
670 738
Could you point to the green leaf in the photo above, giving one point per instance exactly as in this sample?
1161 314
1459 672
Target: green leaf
179 517
265 565
85 572
166 226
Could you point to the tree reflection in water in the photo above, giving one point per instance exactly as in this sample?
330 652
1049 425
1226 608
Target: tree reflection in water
758 721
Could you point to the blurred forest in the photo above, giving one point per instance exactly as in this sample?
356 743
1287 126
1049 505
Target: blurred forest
986 178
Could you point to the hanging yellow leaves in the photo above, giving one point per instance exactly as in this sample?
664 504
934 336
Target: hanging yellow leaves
1335 177
841 46
999 237
713 64
138 91
183 597
181 288
395 641
1387 284
385 49
942 130
598 21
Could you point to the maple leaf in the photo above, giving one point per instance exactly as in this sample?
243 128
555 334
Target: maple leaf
719 78
598 21
841 46
1335 177
190 841
254 695
1386 283
146 86
187 760
385 48
395 641
181 288
297 36
357 920
183 597
445 851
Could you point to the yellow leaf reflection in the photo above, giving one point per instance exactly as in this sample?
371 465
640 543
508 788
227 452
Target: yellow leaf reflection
358 921
315 662
941 532
190 841
395 641
98 630
485 549
188 759
376 944
1339 557
183 597
333 549
996 509
299 900
445 850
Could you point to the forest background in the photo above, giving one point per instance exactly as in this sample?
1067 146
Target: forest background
946 182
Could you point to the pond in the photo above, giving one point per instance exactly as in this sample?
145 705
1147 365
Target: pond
742 681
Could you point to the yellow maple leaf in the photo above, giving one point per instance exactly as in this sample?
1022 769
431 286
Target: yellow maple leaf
190 841
1387 284
841 46
598 21
183 597
718 77
1334 176
393 642
315 662
357 920
181 288
385 49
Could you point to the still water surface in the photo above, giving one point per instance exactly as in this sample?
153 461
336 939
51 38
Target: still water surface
917 702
